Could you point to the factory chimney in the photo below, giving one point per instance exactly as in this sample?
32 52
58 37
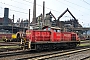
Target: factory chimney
43 13
34 12
6 13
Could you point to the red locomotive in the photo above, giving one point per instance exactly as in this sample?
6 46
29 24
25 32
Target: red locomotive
50 38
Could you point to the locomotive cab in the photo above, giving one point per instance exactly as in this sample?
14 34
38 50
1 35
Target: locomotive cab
55 33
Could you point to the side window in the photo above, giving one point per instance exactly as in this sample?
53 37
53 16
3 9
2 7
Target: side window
49 29
54 30
44 29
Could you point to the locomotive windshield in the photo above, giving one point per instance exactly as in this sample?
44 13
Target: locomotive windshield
47 29
57 30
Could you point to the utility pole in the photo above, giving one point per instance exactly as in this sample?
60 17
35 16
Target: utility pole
19 23
29 21
29 43
12 23
72 26
43 13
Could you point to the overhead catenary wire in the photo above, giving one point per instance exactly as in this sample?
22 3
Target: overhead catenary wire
36 4
50 8
20 2
80 11
24 3
77 5
16 11
39 5
86 2
42 6
60 2
12 5
74 7
74 4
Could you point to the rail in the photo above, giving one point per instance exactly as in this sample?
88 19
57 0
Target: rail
55 54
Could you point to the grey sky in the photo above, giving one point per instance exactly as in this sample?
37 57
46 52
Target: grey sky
79 8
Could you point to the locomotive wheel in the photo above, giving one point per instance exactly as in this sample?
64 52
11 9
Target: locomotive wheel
72 45
38 48
50 47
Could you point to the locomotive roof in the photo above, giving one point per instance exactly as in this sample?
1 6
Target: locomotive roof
55 27
51 27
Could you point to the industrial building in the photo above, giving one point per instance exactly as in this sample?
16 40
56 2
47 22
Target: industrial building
7 25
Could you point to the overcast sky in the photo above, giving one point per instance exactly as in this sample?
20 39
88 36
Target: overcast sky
79 8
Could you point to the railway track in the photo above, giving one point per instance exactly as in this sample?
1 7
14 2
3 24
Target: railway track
12 46
9 43
86 58
34 55
23 55
55 54
9 46
13 53
86 41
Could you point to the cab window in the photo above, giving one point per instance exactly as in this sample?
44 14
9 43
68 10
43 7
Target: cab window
44 29
49 29
54 30
58 30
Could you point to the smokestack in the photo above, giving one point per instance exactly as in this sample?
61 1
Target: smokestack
13 18
43 12
29 20
34 12
6 13
12 23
